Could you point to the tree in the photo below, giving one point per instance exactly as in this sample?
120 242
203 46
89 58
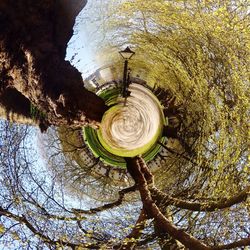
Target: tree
35 78
35 210
155 203
198 52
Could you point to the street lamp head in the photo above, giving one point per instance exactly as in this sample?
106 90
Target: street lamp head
127 53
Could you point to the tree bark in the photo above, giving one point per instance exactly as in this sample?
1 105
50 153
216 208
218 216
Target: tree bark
33 42
164 240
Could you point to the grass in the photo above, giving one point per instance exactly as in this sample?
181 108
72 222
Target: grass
112 156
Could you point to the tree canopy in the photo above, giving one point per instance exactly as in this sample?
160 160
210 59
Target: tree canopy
199 52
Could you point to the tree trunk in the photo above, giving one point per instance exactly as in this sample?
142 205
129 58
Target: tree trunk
33 41
144 180
164 240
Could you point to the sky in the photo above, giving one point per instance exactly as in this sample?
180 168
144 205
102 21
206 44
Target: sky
83 46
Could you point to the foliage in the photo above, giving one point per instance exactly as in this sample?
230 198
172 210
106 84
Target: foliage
36 113
198 51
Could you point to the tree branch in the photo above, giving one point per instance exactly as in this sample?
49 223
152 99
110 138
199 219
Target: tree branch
162 197
22 219
182 155
109 205
135 233
241 243
138 170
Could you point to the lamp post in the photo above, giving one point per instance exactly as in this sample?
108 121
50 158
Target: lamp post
126 55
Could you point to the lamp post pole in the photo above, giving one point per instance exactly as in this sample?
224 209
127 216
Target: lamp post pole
126 54
125 79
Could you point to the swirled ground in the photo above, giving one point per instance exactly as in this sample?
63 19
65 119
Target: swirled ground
132 126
